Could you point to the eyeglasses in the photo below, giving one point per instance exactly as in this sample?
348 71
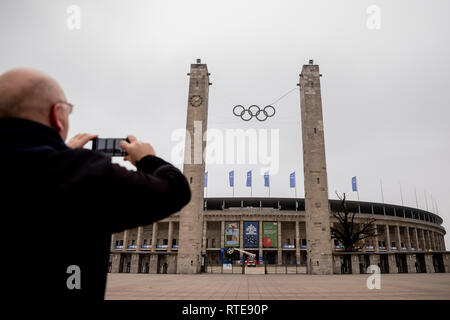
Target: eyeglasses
67 104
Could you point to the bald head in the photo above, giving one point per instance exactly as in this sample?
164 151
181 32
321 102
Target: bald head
31 94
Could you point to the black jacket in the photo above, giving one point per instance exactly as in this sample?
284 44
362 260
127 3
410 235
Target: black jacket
59 207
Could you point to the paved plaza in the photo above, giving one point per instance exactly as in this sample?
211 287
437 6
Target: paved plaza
274 287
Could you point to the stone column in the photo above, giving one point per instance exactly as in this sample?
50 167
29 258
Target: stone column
280 255
399 239
388 238
430 243
222 234
429 263
410 263
170 237
423 240
355 264
260 238
433 241
205 224
134 267
241 238
392 263
416 237
140 235
297 242
153 262
376 238
154 237
374 259
438 241
113 244
408 239
115 259
125 240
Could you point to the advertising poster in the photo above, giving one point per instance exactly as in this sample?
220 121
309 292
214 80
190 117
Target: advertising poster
251 234
270 234
231 234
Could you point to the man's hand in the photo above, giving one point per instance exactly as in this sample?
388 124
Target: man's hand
80 140
136 149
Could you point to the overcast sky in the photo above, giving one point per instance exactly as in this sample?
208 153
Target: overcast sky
385 94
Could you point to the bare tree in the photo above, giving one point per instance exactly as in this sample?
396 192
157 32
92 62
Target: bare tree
347 233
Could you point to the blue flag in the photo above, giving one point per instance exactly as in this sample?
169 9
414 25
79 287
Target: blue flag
266 179
206 179
231 176
249 178
354 185
292 180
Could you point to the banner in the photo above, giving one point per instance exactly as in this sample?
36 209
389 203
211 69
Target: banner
292 180
231 234
270 234
231 177
206 179
249 179
251 234
266 179
354 185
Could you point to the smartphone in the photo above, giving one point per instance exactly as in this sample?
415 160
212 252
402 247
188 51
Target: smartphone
109 146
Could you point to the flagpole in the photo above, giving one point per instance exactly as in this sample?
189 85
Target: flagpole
295 184
382 196
401 193
415 194
432 204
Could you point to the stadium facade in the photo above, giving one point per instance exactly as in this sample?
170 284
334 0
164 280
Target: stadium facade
286 235
408 239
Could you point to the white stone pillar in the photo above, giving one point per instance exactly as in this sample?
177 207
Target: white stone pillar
388 238
205 224
297 242
279 251
399 239
154 235
125 240
170 237
140 235
408 238
222 234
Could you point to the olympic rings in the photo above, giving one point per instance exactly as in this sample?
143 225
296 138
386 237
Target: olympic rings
254 111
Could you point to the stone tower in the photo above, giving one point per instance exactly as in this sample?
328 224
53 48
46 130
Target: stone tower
317 211
191 216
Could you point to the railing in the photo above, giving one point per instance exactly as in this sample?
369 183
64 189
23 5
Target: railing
118 247
268 268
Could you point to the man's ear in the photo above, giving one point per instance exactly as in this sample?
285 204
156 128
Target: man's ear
55 116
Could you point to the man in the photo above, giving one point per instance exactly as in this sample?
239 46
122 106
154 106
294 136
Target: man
60 203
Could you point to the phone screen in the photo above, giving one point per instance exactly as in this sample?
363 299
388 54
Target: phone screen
109 146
